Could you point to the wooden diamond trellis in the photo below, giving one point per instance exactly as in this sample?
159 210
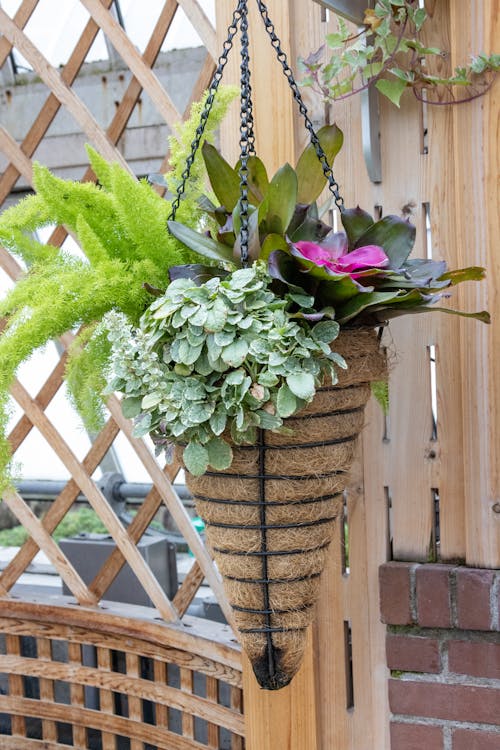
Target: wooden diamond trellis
61 94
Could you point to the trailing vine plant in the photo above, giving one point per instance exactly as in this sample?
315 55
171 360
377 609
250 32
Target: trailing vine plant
389 54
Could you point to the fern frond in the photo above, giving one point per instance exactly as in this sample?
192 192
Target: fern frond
121 226
86 375
67 201
143 215
180 143
100 167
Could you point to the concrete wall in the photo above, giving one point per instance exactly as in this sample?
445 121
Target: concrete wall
101 86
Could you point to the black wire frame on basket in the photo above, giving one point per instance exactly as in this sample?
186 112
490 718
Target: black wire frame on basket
268 672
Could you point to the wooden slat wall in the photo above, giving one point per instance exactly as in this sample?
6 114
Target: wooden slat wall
404 467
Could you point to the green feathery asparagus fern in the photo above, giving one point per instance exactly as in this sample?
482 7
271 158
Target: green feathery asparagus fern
120 224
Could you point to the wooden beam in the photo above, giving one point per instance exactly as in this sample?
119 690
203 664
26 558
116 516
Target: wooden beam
21 18
352 10
133 59
96 499
475 157
15 155
190 586
202 25
136 529
45 542
60 506
285 718
51 106
176 508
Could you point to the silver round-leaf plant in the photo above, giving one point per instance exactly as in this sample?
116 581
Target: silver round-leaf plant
214 362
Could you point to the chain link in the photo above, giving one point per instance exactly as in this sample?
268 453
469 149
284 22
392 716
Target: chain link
221 64
282 58
247 137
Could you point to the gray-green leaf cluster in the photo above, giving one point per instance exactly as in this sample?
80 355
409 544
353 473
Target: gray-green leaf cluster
214 362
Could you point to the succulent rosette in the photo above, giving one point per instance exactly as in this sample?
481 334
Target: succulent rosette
363 275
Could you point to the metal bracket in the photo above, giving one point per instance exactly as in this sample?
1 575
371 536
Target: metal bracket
354 10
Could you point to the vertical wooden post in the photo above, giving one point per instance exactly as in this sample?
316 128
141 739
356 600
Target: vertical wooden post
476 155
285 719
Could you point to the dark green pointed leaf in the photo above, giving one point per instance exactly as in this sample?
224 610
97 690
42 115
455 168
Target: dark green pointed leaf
396 236
311 179
473 273
337 292
200 243
424 271
282 266
311 230
258 181
271 243
483 316
356 222
299 216
277 208
321 273
223 178
362 302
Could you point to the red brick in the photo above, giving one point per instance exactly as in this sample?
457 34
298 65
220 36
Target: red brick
433 596
476 659
395 593
413 654
415 737
440 701
467 739
473 598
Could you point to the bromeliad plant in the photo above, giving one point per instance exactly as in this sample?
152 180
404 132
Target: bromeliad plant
227 350
364 274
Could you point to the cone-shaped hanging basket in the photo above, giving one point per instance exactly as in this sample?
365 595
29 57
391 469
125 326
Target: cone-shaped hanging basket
271 517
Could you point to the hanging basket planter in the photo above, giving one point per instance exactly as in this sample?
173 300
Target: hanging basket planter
239 363
271 517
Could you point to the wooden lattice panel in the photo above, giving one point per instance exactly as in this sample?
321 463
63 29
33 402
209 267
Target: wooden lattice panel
88 681
59 85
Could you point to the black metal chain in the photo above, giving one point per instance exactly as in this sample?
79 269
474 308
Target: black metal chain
241 9
247 137
282 58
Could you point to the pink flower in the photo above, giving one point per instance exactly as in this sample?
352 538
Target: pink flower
334 256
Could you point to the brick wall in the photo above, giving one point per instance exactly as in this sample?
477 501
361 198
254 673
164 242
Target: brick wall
443 650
